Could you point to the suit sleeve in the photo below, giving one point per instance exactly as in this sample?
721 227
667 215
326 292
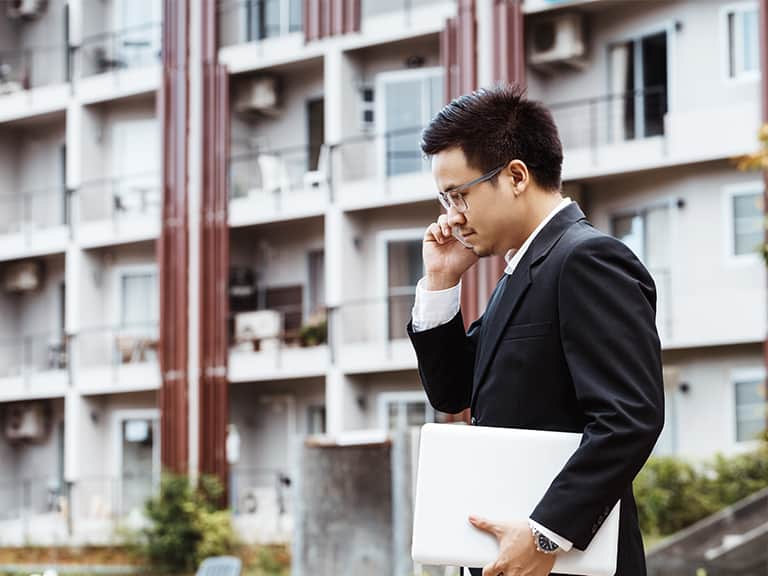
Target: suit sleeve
607 307
446 357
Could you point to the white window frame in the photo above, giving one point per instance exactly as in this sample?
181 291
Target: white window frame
387 398
130 270
383 239
730 192
737 376
120 416
382 79
725 56
668 27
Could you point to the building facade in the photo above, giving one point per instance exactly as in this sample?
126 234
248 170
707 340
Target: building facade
212 214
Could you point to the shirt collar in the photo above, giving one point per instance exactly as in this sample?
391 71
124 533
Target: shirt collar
513 257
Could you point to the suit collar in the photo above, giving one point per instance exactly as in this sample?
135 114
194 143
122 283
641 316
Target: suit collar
517 284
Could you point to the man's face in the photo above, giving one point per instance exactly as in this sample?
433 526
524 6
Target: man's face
492 216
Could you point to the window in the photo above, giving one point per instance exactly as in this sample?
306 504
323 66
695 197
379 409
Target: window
409 101
138 457
404 269
402 410
316 419
751 407
647 233
747 232
638 73
139 301
743 45
316 284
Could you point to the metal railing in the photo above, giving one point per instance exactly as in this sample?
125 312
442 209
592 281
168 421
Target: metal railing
21 498
33 354
271 175
373 8
118 346
379 320
255 491
34 210
242 21
384 155
111 498
610 119
32 68
120 197
134 47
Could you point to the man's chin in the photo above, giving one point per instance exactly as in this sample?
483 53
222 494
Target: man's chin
481 251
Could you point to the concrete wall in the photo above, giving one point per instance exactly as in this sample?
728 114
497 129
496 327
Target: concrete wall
714 297
344 519
705 414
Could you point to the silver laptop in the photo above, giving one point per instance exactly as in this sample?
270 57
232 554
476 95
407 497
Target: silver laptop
499 474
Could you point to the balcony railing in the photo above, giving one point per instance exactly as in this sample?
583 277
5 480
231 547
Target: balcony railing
385 320
272 177
118 348
242 21
611 119
34 210
374 8
120 198
31 497
135 47
32 68
33 354
383 155
259 491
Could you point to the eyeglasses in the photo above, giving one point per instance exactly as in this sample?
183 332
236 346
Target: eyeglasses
454 197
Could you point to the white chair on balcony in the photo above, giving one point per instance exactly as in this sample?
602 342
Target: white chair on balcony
274 174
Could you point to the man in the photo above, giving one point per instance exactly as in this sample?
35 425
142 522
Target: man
568 341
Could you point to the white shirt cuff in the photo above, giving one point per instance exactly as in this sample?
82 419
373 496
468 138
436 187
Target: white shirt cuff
563 543
434 308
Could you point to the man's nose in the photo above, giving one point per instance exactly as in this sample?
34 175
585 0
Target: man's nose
455 218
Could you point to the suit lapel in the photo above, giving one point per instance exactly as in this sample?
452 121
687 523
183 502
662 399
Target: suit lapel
504 305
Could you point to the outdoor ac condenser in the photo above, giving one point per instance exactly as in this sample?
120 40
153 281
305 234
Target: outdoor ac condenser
23 276
559 39
25 421
27 9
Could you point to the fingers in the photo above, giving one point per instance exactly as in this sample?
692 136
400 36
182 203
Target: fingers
486 525
492 569
445 227
435 232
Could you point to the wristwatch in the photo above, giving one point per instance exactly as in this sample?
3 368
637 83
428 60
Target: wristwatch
544 544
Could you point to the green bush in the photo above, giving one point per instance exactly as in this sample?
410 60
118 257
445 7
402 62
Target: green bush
672 494
185 525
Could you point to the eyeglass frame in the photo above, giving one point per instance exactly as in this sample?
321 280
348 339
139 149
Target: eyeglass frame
446 197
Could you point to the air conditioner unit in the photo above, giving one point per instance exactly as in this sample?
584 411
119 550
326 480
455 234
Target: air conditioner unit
559 39
25 421
27 9
23 276
259 95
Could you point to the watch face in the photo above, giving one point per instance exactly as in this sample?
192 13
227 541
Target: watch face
546 544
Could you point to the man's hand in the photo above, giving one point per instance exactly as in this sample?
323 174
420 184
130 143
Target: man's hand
445 259
518 555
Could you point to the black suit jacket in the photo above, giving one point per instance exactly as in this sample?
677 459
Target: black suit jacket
571 346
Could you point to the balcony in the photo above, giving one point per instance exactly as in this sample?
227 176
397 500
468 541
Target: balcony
33 511
118 358
120 62
386 16
119 209
276 342
380 342
261 504
247 21
34 222
381 169
33 365
634 131
280 184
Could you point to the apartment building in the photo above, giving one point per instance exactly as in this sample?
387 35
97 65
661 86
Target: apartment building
291 321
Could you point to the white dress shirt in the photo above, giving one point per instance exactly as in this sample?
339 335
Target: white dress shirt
433 308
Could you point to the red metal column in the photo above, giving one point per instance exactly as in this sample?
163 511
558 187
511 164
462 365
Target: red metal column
324 18
173 105
214 256
764 97
508 67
